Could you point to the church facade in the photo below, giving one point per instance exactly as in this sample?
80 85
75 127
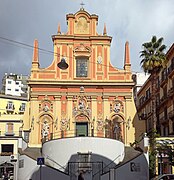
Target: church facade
90 97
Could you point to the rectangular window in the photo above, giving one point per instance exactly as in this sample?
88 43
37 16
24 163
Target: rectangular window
26 136
10 105
173 83
22 107
82 67
9 129
81 129
9 82
141 100
149 125
17 83
165 92
165 113
16 90
6 149
148 94
21 163
8 89
164 75
158 82
158 100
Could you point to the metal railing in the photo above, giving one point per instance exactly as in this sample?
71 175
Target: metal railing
74 133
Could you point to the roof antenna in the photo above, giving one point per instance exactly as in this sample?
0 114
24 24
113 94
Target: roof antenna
82 4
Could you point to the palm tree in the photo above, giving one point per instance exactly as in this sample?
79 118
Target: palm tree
153 55
153 59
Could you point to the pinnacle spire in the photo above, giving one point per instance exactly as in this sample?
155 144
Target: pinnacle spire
58 29
104 30
35 53
127 63
35 61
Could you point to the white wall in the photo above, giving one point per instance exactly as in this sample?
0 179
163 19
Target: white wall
140 172
11 89
32 171
61 150
141 78
125 172
30 166
22 144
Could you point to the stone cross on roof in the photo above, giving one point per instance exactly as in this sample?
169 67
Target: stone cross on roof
82 4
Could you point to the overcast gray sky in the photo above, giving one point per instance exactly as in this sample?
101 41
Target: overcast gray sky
135 21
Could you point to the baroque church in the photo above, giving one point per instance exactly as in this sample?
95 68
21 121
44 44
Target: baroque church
90 97
81 111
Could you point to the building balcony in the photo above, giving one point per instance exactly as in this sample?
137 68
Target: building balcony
171 70
163 119
163 99
145 101
143 116
163 81
170 92
83 151
171 114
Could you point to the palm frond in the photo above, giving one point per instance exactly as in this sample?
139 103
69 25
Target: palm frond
160 40
162 48
153 39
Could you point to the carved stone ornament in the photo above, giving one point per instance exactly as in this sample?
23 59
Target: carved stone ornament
82 26
116 106
100 125
99 60
64 124
46 108
81 105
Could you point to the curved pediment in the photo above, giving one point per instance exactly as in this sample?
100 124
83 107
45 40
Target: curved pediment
81 23
82 50
82 12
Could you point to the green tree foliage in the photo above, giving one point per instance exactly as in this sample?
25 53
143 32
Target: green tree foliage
153 56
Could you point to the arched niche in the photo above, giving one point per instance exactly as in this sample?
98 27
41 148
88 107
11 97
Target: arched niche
115 127
46 127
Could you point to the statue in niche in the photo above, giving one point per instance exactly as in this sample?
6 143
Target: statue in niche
45 129
117 131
